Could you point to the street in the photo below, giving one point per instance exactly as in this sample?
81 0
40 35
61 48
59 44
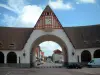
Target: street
50 65
48 71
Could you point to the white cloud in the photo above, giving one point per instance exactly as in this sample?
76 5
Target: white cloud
27 14
14 5
17 5
59 4
49 46
86 1
7 7
31 13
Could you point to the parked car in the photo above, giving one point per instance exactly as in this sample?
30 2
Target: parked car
94 62
74 65
56 61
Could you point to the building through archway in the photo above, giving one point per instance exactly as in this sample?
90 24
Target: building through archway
48 38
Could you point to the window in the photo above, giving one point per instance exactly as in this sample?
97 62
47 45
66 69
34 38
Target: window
91 61
97 41
85 42
47 13
12 46
1 45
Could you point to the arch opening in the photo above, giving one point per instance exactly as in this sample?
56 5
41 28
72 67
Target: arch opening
11 57
48 38
97 54
1 57
51 52
85 56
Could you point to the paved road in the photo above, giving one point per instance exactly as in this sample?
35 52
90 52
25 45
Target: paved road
49 71
50 65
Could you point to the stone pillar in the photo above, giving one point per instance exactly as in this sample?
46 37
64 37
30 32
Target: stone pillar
5 58
65 52
17 59
80 58
92 54
34 60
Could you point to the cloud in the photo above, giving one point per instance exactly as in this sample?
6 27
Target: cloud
27 14
49 46
7 7
59 4
31 13
17 5
86 1
14 5
9 20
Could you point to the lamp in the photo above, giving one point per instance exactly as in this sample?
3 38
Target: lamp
24 54
73 53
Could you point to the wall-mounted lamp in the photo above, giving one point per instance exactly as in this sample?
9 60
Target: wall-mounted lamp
73 53
24 54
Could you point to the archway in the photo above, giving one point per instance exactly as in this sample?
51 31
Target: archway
85 56
1 57
97 54
49 38
11 57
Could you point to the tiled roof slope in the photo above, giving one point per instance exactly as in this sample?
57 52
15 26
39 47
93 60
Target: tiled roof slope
81 37
16 36
84 36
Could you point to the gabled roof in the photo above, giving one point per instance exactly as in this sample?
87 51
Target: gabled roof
81 37
57 52
50 15
48 9
84 36
14 36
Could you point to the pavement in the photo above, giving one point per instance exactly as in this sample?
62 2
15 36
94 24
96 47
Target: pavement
50 65
48 70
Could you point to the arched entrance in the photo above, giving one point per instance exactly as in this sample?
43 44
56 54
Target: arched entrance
1 57
48 38
11 57
97 54
85 56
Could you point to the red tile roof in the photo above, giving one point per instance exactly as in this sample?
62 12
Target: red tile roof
57 51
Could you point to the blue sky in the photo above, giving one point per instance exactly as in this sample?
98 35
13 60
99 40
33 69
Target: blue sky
25 13
21 13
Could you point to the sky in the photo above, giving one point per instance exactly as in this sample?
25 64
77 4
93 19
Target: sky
25 13
48 47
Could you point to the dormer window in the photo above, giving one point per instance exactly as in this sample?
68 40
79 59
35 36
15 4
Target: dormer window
85 42
1 45
97 41
12 46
